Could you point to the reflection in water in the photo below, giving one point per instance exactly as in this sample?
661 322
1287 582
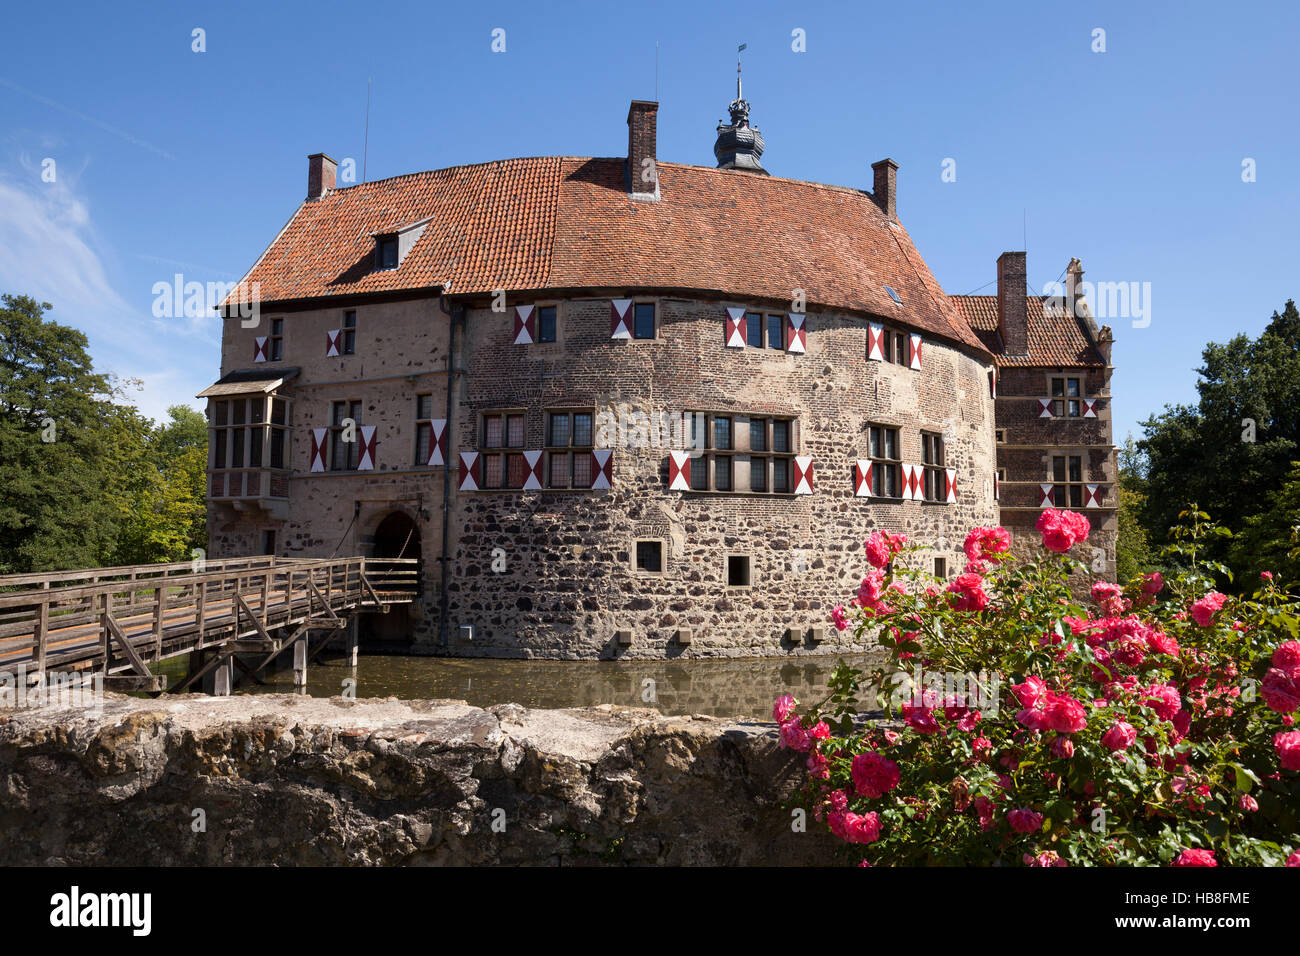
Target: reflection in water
719 688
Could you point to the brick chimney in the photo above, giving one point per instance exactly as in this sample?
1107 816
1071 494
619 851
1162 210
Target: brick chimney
320 175
1012 289
885 189
642 118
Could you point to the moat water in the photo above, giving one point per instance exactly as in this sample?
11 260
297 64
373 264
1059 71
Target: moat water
718 688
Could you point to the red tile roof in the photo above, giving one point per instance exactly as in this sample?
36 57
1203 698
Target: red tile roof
1053 339
568 223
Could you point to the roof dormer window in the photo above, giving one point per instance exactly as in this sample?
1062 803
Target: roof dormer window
391 247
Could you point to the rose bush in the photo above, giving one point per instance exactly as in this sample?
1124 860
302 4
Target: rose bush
1011 724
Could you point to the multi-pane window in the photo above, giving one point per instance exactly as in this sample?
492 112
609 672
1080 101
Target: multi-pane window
650 556
643 324
893 346
546 323
275 347
764 331
386 253
345 435
885 458
932 460
423 428
569 443
349 344
503 464
1065 398
241 436
771 446
1067 481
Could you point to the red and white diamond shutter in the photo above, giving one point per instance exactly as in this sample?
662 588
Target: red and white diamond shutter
438 442
679 471
1044 495
796 332
862 478
912 482
259 349
914 350
468 471
875 341
1089 408
619 313
950 485
524 327
1044 408
533 459
318 438
734 330
602 475
1093 497
366 458
332 338
803 475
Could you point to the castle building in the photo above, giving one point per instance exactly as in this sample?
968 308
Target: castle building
628 407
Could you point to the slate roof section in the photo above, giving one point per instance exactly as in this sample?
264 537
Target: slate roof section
1054 340
568 223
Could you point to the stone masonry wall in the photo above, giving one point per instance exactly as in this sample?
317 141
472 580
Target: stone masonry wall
300 781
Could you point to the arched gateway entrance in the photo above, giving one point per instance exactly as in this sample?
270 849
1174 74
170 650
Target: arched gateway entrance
396 536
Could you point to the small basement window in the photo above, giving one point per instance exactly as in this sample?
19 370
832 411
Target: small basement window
650 557
738 571
941 568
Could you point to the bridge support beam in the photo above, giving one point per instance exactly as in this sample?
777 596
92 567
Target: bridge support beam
222 678
300 665
353 641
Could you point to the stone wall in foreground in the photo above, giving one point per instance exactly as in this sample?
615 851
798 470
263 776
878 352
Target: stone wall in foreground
307 781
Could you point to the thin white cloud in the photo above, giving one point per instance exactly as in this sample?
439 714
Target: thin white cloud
49 250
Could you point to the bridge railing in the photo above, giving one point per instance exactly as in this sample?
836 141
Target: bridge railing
117 618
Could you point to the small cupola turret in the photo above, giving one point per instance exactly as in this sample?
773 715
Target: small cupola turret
739 145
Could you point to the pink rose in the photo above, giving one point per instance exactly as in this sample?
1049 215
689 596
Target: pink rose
1195 858
1062 530
872 588
1030 692
1046 858
1164 700
794 736
1248 803
877 547
1119 737
839 800
1025 821
1293 859
967 592
1162 643
783 709
874 775
1287 659
840 618
1281 693
1063 747
1153 583
920 719
1203 611
1065 715
1287 746
855 828
987 544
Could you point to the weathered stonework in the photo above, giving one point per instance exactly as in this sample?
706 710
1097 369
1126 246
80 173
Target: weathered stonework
301 781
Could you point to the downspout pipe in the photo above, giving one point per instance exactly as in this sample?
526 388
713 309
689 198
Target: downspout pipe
453 318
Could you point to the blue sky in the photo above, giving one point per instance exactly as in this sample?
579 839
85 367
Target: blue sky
167 160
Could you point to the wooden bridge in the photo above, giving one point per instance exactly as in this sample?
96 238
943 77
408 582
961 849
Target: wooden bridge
240 612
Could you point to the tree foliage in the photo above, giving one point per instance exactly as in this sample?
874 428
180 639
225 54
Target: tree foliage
85 479
1234 450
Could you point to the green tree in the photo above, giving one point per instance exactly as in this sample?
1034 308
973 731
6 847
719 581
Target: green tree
1270 540
53 510
1133 552
1232 451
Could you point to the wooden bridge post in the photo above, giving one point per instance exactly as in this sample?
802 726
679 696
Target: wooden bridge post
106 609
41 628
200 599
353 640
300 664
160 605
222 678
